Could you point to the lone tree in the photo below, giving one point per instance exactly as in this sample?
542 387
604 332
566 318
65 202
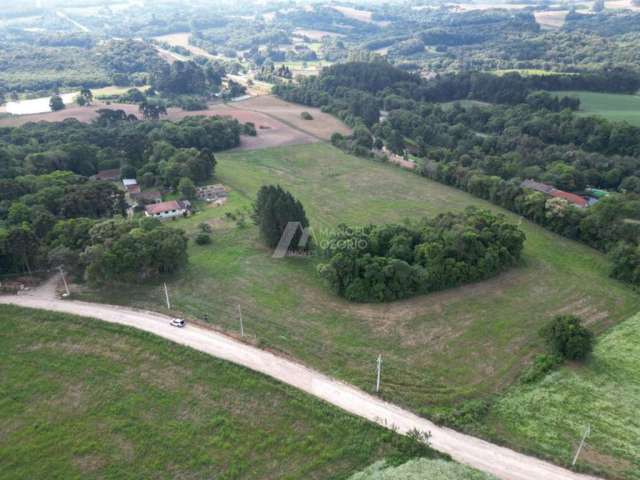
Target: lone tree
273 210
85 97
152 110
187 189
568 338
56 103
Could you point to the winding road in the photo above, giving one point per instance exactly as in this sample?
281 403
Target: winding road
502 462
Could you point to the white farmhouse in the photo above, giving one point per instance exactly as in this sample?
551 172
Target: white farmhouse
164 210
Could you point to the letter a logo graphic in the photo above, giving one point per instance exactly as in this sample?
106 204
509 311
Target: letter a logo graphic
284 245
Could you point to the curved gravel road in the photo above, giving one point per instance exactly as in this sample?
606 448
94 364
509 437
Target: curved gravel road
502 462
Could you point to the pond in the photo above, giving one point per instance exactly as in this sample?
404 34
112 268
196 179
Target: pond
35 105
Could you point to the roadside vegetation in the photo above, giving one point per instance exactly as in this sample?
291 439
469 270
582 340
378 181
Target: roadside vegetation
85 399
551 415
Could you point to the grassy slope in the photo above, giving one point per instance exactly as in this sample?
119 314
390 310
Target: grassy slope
84 399
439 349
551 416
611 106
421 469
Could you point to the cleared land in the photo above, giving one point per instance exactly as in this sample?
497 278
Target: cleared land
272 132
614 107
322 126
182 40
551 416
84 399
439 349
315 34
622 4
551 19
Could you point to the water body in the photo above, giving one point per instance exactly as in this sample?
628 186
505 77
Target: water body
35 105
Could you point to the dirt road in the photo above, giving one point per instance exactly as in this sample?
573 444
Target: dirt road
501 462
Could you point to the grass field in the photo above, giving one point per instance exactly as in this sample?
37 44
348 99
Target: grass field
551 416
83 399
611 106
438 349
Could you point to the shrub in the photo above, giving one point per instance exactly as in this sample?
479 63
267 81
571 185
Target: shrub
203 239
568 338
249 128
542 365
306 116
205 227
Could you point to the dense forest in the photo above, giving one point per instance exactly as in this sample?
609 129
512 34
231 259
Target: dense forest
52 213
490 149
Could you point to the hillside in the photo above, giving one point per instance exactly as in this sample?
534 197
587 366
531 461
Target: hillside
92 400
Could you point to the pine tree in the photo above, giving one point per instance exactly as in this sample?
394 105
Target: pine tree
273 210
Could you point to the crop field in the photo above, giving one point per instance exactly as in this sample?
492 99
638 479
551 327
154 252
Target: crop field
614 107
440 349
83 399
552 415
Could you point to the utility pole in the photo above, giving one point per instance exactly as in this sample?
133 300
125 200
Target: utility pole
241 323
379 371
166 294
66 287
587 432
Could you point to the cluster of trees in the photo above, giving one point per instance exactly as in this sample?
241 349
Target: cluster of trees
126 251
488 150
45 189
29 67
130 62
33 206
606 24
389 262
187 78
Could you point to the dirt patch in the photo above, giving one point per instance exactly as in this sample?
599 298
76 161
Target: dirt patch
322 126
613 464
89 463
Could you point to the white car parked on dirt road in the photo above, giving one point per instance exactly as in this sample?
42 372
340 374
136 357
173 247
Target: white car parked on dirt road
176 322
